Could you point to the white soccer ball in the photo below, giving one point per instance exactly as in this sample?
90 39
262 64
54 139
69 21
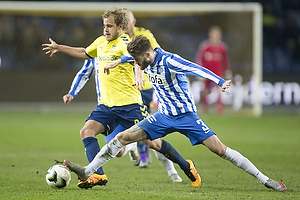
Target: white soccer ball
58 176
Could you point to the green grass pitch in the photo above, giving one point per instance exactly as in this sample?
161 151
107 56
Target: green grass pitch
31 141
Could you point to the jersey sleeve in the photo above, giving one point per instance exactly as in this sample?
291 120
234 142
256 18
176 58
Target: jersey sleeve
91 50
81 78
126 58
177 63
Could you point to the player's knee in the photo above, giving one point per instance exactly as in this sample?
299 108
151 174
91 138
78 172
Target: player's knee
121 138
84 133
221 150
150 145
154 144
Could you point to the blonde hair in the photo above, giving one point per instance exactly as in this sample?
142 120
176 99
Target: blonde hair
120 16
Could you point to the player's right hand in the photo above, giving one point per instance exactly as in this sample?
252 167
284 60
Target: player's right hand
67 98
50 48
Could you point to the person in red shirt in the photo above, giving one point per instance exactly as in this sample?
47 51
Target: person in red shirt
213 55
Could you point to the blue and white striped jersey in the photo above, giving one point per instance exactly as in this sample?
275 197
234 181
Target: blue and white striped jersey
167 75
83 76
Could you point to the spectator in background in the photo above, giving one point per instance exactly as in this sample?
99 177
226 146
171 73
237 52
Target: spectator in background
213 55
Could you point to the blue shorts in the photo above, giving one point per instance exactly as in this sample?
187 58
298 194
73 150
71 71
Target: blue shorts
147 96
189 124
112 117
117 130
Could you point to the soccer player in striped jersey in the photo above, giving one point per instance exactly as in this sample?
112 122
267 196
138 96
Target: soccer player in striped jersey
147 94
120 102
177 110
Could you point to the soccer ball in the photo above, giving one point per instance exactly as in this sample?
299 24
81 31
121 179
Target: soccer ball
58 176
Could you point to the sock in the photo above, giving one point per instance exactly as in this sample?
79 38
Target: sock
166 162
170 152
110 150
242 162
143 151
142 147
91 149
128 147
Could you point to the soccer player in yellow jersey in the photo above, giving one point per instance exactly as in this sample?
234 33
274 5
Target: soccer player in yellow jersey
116 90
121 103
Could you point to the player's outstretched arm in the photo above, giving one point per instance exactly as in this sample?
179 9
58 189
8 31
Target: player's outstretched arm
110 65
53 48
139 80
226 85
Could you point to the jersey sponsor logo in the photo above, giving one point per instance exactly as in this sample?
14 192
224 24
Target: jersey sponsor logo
108 58
157 79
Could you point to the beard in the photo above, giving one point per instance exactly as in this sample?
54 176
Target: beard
145 64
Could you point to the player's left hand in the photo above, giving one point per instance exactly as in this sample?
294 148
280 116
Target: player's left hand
139 83
67 98
110 65
226 85
139 80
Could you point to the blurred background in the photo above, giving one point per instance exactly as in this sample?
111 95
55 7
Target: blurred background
30 79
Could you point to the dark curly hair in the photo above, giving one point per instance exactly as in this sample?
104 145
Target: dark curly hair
138 46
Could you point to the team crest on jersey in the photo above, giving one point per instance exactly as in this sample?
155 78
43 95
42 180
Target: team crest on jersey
160 69
112 48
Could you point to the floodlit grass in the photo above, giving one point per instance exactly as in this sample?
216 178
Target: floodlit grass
31 141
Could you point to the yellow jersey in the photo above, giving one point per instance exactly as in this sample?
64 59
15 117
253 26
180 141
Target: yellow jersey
116 88
154 44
